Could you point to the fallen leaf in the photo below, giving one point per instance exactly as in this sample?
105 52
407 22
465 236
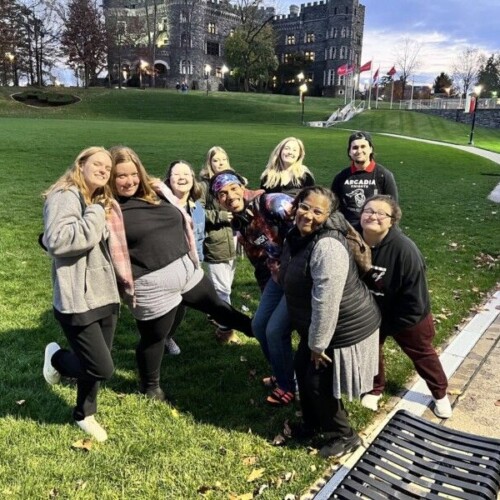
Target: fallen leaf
245 496
290 496
289 476
82 444
313 468
222 450
20 402
245 309
243 359
287 431
53 493
249 460
455 392
204 489
255 474
311 450
278 440
453 245
80 484
174 413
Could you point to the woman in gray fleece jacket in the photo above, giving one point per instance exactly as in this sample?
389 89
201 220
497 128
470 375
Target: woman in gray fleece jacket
86 300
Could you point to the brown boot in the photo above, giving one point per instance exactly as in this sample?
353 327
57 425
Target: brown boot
226 337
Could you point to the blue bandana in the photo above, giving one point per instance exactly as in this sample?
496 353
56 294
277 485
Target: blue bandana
223 179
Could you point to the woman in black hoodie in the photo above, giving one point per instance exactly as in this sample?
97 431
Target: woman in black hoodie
397 280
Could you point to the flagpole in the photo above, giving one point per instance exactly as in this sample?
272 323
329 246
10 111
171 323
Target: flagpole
345 88
376 97
370 89
392 90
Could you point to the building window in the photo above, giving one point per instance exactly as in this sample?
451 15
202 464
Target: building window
335 33
330 79
341 80
218 72
335 11
347 10
343 33
287 58
184 16
186 67
309 77
343 52
231 32
185 40
332 52
212 29
290 40
212 49
309 56
309 38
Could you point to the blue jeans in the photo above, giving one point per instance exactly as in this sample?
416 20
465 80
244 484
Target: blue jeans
271 327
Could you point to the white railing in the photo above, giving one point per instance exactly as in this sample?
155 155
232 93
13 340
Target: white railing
445 103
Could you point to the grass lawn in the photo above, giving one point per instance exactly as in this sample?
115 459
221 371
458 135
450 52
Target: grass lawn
221 431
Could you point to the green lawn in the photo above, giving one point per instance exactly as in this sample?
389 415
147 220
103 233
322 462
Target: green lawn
221 429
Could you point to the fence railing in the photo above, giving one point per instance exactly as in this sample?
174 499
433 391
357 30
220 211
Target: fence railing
445 103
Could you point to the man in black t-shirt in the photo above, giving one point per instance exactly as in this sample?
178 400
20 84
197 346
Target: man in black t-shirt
363 179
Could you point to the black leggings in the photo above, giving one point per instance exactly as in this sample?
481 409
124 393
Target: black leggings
202 297
90 362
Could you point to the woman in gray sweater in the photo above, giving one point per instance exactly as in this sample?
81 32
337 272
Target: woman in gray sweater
86 300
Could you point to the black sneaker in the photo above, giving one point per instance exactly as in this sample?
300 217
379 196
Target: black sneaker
340 446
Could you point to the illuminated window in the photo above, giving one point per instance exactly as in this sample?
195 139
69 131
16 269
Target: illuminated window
309 56
290 39
309 38
212 28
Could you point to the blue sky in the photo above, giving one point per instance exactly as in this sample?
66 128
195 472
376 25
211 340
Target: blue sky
443 28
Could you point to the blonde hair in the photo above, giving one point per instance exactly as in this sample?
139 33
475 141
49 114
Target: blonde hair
275 169
145 191
73 177
207 170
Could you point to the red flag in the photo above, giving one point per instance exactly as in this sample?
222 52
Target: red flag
392 71
345 69
375 76
342 70
366 67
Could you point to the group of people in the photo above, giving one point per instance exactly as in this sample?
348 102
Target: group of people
114 231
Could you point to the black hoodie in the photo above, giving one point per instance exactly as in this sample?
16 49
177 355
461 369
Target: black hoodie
398 282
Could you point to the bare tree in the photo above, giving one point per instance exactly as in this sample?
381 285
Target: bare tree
84 38
466 68
407 60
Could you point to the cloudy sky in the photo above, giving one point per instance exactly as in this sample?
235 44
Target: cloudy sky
442 28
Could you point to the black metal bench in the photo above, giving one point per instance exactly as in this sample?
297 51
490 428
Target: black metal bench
414 458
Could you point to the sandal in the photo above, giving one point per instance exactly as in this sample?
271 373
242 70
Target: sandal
270 382
279 397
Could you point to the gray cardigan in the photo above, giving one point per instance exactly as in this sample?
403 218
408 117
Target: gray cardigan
82 274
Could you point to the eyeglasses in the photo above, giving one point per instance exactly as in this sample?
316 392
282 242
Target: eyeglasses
380 214
304 207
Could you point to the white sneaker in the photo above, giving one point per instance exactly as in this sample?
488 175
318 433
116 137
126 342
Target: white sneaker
171 347
370 401
90 426
442 408
50 374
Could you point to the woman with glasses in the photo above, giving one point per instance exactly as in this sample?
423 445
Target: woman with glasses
397 281
336 318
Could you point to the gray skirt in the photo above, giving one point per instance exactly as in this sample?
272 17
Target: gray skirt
354 367
159 292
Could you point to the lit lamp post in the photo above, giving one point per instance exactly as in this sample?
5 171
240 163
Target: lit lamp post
12 59
303 90
142 66
477 91
224 70
208 68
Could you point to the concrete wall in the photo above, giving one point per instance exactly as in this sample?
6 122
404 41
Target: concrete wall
489 118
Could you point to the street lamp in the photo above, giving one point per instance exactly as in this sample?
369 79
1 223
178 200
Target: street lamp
303 90
208 68
12 59
477 91
224 70
142 66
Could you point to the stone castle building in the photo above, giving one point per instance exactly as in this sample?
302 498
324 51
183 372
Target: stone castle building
188 43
